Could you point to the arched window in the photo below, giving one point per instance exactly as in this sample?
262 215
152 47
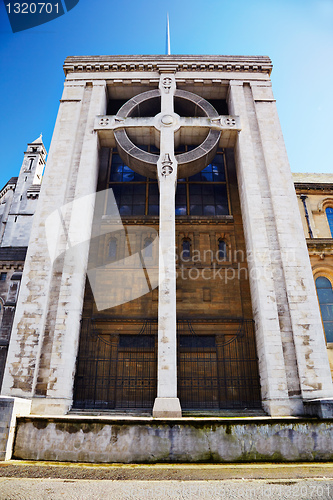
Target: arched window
222 252
113 248
325 297
329 215
186 249
148 248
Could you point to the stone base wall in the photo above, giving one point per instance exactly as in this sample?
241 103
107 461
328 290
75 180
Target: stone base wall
147 440
10 408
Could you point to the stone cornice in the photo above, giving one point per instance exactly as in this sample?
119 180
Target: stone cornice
313 186
7 187
16 266
33 191
158 63
151 220
320 246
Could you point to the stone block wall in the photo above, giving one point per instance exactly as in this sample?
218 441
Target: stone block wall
106 440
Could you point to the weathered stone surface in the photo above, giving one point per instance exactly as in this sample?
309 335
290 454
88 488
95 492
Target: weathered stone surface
173 440
322 408
10 408
290 343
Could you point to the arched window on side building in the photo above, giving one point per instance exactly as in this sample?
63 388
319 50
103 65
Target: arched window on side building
329 215
325 297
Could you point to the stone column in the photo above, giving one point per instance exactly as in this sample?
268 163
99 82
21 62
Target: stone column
256 217
28 327
167 404
308 336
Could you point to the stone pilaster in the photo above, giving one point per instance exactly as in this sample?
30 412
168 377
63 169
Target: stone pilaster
59 394
308 336
272 369
32 340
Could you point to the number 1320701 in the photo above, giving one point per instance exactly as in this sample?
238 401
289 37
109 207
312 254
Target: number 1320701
32 8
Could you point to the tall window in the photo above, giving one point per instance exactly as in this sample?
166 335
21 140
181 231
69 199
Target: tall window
329 215
148 248
222 253
186 249
113 248
325 297
202 194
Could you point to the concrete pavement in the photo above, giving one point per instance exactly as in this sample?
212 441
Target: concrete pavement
21 480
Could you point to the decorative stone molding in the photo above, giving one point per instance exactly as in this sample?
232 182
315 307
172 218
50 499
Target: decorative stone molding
166 83
325 203
180 220
320 246
166 68
14 267
169 64
33 191
167 165
312 186
9 186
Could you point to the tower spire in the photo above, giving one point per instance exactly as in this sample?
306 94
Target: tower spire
168 50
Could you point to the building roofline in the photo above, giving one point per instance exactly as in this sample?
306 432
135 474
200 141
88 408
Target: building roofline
12 182
259 64
319 186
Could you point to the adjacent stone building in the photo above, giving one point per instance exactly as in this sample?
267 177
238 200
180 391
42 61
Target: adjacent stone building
194 194
315 198
18 201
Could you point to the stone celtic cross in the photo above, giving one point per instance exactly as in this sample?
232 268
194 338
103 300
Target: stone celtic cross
166 129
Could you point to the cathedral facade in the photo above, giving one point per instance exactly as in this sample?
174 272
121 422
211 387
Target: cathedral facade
166 269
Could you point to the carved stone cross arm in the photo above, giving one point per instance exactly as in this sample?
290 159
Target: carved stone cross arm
167 129
113 122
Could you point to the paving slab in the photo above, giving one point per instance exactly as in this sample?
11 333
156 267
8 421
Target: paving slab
56 489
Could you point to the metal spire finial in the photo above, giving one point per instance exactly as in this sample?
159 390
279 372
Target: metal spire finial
168 50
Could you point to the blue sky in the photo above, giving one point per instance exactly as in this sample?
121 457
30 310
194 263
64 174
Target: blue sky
296 34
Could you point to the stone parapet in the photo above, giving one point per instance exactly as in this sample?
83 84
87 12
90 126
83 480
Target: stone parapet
195 63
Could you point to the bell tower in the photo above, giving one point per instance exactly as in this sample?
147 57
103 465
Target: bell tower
22 207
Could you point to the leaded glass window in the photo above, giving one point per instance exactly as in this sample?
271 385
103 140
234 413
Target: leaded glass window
202 194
